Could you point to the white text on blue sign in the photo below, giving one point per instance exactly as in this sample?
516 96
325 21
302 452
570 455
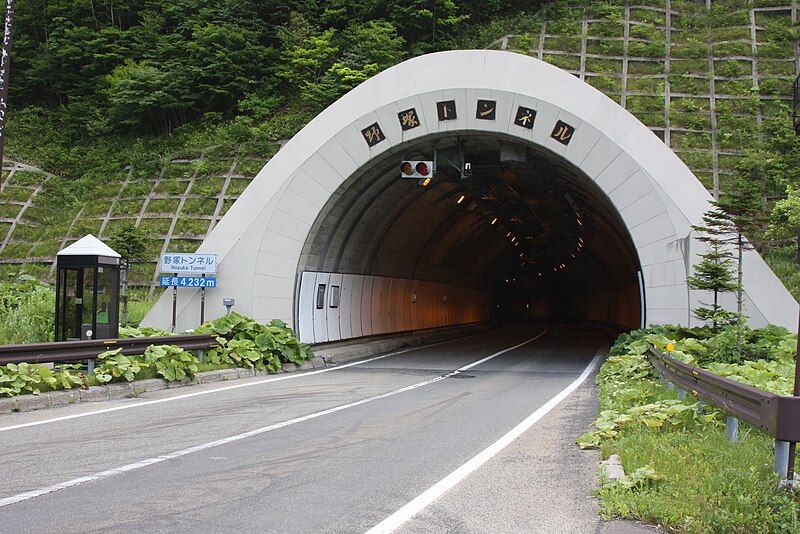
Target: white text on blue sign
187 281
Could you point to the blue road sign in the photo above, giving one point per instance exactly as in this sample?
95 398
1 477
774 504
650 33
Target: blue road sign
187 281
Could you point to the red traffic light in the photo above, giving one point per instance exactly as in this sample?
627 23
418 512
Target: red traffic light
416 169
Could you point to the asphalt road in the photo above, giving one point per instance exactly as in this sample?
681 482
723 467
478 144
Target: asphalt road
334 451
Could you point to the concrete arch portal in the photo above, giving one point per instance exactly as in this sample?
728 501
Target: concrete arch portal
575 209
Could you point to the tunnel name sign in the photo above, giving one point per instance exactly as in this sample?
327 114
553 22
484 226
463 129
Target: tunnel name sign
195 264
485 110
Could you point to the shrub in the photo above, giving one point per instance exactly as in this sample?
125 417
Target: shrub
241 338
27 312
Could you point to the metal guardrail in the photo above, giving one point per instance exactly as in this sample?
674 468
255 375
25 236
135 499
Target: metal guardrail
776 415
65 351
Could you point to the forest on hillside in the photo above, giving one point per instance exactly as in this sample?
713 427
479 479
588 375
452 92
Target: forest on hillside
151 66
101 86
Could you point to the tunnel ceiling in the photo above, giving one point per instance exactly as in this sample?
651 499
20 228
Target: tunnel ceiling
524 215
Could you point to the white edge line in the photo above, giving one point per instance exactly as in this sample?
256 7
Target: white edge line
429 496
223 441
219 389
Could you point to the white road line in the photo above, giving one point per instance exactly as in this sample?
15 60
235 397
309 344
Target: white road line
217 390
197 448
429 496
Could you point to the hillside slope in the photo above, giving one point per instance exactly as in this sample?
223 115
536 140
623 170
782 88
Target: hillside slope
713 80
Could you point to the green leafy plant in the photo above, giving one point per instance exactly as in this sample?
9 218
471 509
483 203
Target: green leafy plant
643 476
244 341
113 365
171 362
142 331
25 378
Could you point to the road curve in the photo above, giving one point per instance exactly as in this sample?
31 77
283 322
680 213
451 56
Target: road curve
338 451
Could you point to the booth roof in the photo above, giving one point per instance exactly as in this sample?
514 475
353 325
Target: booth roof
89 245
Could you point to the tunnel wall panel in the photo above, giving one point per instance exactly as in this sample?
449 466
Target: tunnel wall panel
386 306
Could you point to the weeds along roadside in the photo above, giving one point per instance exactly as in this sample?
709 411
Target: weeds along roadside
681 473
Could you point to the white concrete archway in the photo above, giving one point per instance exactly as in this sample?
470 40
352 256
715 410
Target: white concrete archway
260 241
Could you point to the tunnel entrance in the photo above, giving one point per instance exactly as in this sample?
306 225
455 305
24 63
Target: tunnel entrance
329 238
527 235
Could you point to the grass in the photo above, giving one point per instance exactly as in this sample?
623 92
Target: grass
732 483
700 482
138 306
782 261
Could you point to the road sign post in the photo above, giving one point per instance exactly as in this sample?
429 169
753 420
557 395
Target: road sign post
203 302
174 308
796 391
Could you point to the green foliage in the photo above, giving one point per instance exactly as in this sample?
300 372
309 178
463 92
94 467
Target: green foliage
244 341
25 378
785 215
677 456
776 375
27 312
643 476
635 405
142 331
113 365
129 241
171 362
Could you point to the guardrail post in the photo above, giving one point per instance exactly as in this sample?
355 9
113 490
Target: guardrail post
90 365
781 463
670 386
681 393
731 429
201 354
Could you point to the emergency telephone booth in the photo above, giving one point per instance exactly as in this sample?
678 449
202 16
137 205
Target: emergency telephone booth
87 291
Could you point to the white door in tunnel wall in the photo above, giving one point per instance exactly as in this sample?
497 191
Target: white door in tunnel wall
320 306
333 307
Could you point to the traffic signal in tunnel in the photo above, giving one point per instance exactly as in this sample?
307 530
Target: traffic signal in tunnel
417 170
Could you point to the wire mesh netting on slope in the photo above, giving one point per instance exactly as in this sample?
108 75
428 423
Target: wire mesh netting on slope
176 202
706 77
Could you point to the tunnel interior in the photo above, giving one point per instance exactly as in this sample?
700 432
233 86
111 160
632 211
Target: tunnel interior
526 235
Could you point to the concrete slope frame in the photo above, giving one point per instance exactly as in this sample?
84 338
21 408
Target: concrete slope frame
261 240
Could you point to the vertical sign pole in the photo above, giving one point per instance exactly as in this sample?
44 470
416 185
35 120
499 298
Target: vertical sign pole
174 307
796 390
203 301
5 66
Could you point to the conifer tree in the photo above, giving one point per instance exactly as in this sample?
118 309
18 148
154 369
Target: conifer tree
715 271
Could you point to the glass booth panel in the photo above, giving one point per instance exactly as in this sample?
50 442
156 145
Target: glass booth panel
87 309
106 302
70 303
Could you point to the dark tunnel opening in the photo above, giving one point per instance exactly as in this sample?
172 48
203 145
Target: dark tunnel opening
527 235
